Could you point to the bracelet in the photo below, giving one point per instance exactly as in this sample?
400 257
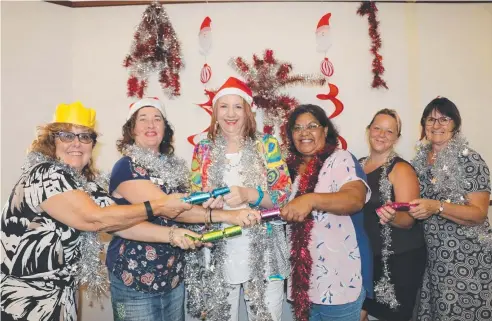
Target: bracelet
150 213
261 194
171 235
210 215
206 219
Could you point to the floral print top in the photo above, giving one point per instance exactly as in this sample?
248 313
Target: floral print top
145 267
279 183
339 246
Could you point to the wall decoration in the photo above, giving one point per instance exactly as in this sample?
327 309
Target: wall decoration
207 106
205 42
370 9
266 76
155 49
323 43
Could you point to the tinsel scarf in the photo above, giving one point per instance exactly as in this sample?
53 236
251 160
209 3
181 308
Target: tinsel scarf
89 270
300 256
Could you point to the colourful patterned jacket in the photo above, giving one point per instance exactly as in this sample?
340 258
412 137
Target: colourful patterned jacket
279 182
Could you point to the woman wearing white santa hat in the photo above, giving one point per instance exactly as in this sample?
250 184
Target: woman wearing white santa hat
146 261
251 164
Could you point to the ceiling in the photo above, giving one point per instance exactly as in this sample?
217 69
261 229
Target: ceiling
99 3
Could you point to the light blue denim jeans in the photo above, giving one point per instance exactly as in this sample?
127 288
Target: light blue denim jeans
131 305
342 312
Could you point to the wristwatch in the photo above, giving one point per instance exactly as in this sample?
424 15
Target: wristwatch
441 208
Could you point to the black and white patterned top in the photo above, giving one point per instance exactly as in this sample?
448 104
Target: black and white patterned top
457 282
38 253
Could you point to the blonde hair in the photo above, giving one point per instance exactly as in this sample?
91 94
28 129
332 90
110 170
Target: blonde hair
45 144
389 112
249 125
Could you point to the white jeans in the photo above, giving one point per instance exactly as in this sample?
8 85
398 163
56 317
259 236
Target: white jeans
274 297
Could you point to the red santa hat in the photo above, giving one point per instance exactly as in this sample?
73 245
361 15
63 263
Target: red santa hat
146 102
324 21
205 24
234 86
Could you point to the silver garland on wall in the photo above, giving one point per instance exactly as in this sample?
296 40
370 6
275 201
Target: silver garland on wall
449 179
384 288
90 271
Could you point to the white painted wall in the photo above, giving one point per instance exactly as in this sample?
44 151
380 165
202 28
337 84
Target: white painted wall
53 54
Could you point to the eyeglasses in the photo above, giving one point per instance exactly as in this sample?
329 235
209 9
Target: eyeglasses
430 121
68 137
309 127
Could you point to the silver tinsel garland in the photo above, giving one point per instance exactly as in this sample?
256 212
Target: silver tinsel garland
384 288
207 290
449 178
172 170
90 271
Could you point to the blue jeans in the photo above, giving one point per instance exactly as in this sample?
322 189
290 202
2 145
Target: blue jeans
342 312
131 305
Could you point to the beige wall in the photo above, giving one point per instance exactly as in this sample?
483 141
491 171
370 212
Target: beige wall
53 54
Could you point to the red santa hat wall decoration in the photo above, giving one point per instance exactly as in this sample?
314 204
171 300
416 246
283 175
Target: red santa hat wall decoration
205 42
323 41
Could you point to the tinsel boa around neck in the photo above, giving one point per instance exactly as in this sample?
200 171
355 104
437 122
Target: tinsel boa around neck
90 271
172 170
301 232
449 179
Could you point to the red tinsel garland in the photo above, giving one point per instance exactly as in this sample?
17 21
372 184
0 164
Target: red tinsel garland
300 255
370 9
156 49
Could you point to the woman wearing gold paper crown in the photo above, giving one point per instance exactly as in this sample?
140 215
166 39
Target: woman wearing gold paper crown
251 164
147 276
455 192
44 253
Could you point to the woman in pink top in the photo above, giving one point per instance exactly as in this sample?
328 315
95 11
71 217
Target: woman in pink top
330 254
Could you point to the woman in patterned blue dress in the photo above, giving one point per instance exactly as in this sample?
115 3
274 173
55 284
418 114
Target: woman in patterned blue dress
455 192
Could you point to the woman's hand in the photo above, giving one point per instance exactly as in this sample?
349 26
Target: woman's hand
386 214
244 217
424 209
296 210
171 206
237 196
177 238
213 203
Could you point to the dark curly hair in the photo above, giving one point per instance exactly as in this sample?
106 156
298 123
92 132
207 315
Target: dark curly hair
320 115
166 146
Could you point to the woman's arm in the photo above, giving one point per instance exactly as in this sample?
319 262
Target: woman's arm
279 182
347 201
76 209
406 187
137 191
474 213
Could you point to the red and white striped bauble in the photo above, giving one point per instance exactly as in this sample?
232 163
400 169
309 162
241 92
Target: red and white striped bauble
326 67
206 74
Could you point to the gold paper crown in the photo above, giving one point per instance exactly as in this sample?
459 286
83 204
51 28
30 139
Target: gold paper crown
75 113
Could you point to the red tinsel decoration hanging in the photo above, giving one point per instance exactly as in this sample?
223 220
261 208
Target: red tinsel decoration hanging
155 49
370 9
266 76
300 255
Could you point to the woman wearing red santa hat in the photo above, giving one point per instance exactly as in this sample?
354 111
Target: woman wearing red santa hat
236 155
